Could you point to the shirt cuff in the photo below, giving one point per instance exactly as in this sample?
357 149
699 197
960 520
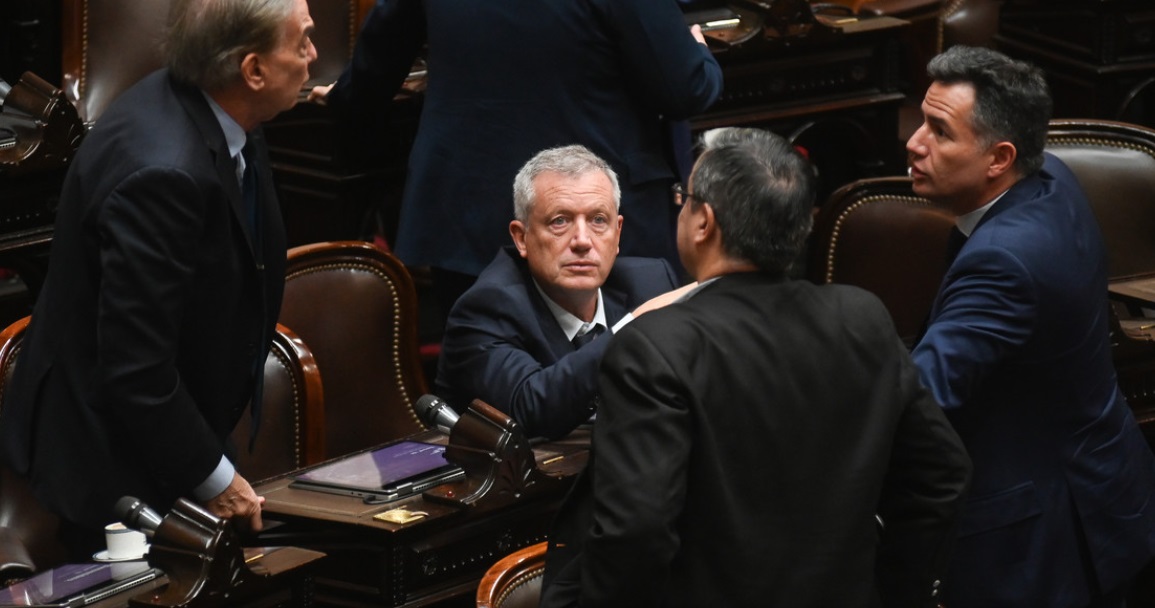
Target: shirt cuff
216 482
623 322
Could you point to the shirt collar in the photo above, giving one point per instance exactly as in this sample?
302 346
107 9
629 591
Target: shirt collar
570 324
968 222
235 136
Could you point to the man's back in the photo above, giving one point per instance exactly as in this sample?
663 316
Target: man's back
747 439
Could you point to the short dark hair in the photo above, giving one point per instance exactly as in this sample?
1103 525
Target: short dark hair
1012 101
206 39
762 193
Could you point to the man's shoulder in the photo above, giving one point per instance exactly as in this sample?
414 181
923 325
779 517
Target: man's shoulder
505 278
633 273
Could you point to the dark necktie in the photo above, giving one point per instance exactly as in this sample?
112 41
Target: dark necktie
252 216
249 195
954 243
581 340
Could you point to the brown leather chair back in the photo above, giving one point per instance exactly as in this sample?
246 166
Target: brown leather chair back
1115 164
108 45
515 580
876 234
355 305
969 22
28 532
292 431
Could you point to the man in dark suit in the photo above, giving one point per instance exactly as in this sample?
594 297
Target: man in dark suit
165 280
522 338
1062 510
749 435
508 79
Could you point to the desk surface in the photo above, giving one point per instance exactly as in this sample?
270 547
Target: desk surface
1138 290
439 555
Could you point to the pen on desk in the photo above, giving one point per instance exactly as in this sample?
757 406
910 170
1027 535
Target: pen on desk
552 460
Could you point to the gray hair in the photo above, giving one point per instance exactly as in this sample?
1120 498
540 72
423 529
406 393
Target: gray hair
1012 101
762 193
570 161
207 39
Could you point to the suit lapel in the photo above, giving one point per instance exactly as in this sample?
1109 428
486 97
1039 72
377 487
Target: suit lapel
206 122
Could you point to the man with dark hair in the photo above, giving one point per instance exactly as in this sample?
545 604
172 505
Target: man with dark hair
525 337
763 442
1016 350
165 280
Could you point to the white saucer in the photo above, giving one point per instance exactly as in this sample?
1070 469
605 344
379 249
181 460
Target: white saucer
102 556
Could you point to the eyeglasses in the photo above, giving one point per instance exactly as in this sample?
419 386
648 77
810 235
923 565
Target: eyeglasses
681 194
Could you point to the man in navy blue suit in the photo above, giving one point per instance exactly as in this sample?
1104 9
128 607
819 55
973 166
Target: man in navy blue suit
1017 352
165 281
528 336
509 79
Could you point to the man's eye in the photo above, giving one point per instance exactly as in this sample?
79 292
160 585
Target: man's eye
600 220
558 221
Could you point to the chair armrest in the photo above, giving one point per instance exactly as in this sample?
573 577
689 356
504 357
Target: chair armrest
15 560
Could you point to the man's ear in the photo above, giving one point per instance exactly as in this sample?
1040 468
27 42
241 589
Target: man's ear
517 231
1003 159
703 222
253 72
621 219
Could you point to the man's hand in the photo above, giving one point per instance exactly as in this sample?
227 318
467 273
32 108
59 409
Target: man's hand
238 501
696 32
319 94
667 298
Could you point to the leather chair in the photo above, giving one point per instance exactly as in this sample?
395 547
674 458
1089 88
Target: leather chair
28 532
292 431
355 305
969 22
108 45
876 234
291 436
515 580
1115 165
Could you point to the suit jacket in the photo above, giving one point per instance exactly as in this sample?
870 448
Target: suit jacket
746 440
156 314
1017 351
503 345
509 79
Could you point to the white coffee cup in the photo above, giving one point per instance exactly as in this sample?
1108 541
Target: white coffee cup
124 542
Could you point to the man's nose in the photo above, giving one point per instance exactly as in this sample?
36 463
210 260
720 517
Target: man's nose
914 145
582 238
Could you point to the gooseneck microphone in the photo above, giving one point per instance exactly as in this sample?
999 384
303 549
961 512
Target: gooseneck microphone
435 412
137 515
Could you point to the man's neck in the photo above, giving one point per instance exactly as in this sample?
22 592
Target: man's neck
720 266
236 106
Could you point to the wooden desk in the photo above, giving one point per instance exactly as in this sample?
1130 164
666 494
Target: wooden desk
440 556
283 580
1135 292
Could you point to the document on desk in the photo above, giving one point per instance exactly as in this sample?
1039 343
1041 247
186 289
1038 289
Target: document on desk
383 474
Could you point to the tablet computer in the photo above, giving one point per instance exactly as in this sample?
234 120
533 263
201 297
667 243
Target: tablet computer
73 585
383 474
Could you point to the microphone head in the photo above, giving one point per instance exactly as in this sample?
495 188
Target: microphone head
426 408
435 413
137 515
